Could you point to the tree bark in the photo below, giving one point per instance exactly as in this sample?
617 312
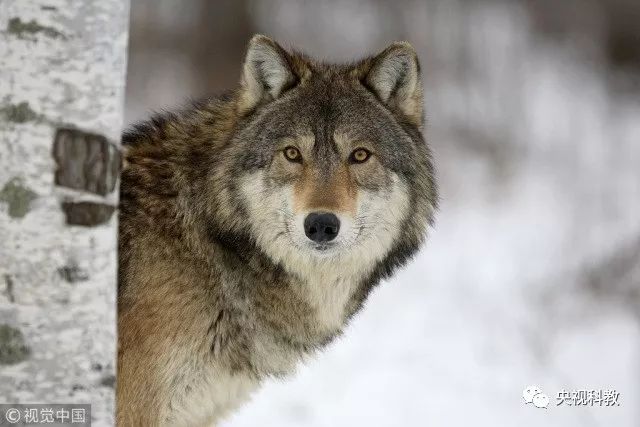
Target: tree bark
62 74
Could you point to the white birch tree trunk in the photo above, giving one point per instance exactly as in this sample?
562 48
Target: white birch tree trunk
62 74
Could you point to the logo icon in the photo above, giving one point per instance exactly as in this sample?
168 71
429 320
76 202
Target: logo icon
533 394
12 415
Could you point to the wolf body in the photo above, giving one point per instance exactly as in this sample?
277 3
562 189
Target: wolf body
254 225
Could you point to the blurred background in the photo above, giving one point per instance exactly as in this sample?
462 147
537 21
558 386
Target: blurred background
532 272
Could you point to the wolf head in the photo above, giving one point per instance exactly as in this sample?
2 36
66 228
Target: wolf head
329 164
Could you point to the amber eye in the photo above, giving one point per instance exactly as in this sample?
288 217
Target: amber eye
360 155
292 154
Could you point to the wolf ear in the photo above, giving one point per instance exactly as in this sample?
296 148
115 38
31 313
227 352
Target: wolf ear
394 77
266 73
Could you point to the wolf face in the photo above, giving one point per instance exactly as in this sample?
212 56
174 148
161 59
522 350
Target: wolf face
330 161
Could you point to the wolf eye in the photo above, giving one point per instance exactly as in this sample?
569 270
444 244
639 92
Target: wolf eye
292 154
359 155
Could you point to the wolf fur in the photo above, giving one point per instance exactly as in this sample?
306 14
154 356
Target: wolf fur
219 287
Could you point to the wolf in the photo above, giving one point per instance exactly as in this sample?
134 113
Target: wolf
253 225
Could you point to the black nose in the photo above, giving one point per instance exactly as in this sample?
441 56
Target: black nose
321 227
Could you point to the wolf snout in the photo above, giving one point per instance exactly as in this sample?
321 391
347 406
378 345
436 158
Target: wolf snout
321 227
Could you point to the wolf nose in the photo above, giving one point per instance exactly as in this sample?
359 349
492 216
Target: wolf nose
321 227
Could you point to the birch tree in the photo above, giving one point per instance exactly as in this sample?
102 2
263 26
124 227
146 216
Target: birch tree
62 70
